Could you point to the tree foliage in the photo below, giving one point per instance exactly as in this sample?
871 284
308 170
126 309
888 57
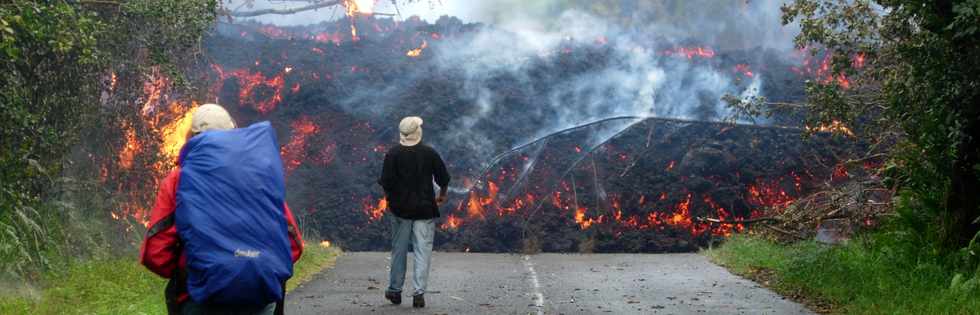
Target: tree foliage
914 71
61 62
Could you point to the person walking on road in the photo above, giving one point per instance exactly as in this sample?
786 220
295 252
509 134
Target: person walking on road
407 176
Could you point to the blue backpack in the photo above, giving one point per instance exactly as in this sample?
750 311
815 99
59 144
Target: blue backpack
230 216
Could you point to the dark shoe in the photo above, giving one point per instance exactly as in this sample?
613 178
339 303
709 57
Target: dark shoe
395 298
418 301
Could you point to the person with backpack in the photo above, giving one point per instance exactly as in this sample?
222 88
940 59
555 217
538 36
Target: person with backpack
220 229
406 177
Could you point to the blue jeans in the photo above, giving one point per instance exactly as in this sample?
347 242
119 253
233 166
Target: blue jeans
420 234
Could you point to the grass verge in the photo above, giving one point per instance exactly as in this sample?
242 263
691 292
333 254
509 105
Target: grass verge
122 286
861 277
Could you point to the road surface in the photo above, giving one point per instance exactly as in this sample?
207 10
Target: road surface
470 283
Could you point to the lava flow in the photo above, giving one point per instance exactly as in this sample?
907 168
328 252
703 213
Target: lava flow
335 91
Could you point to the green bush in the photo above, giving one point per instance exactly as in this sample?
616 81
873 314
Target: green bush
875 274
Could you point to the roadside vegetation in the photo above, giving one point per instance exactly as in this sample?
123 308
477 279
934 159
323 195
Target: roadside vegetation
72 73
121 286
912 92
871 275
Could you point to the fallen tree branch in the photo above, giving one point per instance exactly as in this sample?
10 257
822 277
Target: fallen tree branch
749 221
784 231
313 6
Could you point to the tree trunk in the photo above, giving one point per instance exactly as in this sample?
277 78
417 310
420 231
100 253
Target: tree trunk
963 202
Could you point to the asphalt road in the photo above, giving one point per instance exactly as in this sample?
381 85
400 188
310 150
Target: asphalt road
469 283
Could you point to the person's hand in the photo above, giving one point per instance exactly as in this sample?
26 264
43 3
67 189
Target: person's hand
440 200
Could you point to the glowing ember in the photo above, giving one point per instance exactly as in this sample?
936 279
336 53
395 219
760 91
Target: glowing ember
250 82
840 172
769 194
129 149
294 152
835 126
273 32
414 53
858 61
375 211
581 220
823 71
682 213
691 52
324 37
112 81
475 209
744 70
452 223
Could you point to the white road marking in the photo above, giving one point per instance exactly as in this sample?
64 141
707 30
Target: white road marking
535 285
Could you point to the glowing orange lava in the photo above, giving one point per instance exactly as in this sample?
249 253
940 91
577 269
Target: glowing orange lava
294 152
691 52
452 223
376 211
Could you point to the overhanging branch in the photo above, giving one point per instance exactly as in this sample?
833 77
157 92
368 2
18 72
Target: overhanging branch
313 6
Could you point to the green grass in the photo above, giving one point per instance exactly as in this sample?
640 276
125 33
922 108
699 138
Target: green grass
122 286
861 277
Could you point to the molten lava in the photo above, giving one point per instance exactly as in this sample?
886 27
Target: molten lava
580 218
452 223
691 52
294 152
249 83
375 211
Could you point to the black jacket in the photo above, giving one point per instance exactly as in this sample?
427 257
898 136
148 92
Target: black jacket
407 181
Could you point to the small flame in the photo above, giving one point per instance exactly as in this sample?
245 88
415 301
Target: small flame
355 7
452 223
414 53
375 212
581 220
835 126
174 134
325 244
112 81
129 149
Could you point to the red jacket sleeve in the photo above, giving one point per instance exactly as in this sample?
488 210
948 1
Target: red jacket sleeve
159 251
296 239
